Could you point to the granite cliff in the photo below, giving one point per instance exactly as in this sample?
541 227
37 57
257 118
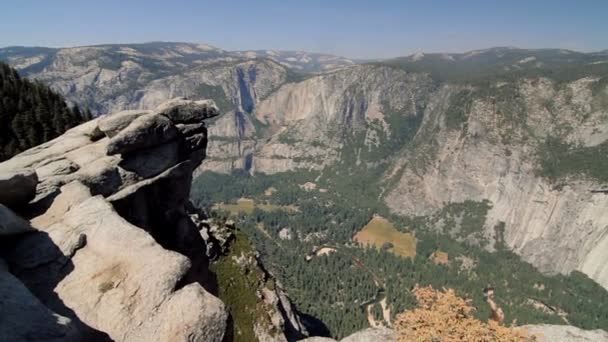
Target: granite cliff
522 130
100 242
495 152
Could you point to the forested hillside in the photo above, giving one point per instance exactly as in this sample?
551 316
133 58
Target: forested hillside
337 287
31 113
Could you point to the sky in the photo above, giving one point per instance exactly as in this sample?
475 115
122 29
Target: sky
354 28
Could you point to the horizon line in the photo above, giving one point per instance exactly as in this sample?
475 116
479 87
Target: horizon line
305 51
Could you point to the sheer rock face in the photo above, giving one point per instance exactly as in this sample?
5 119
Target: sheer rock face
305 124
109 253
489 157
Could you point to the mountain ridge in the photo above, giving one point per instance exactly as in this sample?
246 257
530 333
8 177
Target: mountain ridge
493 158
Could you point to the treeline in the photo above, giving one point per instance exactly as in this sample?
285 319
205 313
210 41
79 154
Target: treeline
31 113
559 159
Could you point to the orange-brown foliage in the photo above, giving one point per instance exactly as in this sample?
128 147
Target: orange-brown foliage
442 316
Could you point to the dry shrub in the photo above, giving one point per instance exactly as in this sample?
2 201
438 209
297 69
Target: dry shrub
442 316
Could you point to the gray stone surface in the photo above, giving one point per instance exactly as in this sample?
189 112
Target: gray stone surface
17 188
152 161
109 278
56 168
146 131
11 223
185 111
188 129
565 333
366 335
371 335
25 318
112 124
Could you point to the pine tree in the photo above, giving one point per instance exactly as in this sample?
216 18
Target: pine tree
31 113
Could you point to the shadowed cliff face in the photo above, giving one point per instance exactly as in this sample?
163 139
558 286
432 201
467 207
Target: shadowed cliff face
113 244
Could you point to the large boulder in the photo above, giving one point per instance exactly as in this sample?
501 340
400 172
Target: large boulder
111 277
181 110
371 335
108 252
192 307
542 332
111 125
145 131
109 153
17 188
565 333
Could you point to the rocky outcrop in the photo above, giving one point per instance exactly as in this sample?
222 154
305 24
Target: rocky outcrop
301 61
367 335
543 333
110 251
565 333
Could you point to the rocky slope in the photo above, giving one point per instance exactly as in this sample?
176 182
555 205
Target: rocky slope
110 78
106 245
492 154
305 124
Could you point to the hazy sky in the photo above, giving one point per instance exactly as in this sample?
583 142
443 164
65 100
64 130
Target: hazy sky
354 28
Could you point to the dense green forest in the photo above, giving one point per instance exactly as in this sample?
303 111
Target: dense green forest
559 159
333 287
31 113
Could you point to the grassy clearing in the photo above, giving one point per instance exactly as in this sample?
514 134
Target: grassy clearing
247 206
381 233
